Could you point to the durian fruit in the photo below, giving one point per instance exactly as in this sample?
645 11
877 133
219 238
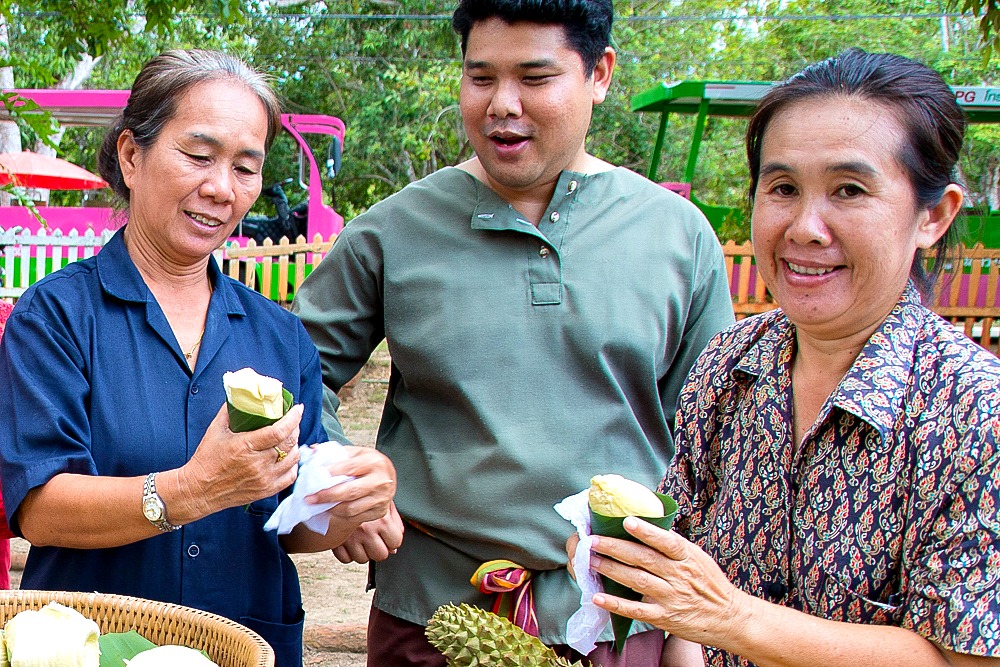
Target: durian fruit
473 637
255 394
613 495
4 662
54 635
170 655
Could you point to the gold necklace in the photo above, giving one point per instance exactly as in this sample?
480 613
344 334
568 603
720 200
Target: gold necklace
190 353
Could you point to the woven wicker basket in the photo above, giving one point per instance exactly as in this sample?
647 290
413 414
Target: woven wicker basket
228 643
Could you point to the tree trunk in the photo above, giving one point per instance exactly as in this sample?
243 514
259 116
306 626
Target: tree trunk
82 70
993 186
10 136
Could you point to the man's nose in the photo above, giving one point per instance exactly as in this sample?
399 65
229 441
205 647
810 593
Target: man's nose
506 100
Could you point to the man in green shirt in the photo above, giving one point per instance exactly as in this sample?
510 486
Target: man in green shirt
542 308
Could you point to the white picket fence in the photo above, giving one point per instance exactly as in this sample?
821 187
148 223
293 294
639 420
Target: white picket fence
27 257
968 291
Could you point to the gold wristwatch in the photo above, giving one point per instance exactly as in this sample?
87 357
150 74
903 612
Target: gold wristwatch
152 506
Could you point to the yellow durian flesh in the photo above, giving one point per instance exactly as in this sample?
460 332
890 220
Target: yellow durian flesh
52 635
614 495
249 391
170 655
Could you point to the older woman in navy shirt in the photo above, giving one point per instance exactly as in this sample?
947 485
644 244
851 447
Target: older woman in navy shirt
117 460
5 533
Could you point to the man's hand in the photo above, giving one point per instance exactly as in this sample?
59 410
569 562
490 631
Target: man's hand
571 545
373 540
368 496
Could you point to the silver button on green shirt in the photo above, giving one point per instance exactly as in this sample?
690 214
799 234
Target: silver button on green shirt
525 360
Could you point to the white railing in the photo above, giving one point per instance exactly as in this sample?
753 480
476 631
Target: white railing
968 290
27 257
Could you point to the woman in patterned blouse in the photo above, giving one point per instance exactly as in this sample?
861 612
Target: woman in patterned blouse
837 467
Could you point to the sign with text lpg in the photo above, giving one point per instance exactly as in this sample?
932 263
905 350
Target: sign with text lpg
981 96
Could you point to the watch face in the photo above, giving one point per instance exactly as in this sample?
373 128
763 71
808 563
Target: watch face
151 509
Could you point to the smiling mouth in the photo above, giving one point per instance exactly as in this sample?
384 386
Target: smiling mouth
809 270
208 222
507 139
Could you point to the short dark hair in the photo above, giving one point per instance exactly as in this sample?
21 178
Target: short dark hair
587 22
921 101
155 93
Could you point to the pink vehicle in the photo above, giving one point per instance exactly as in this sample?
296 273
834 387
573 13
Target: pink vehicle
99 107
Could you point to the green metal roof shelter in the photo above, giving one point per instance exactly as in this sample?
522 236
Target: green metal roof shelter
738 99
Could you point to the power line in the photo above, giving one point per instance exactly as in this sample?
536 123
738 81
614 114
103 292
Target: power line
664 18
658 18
677 64
792 17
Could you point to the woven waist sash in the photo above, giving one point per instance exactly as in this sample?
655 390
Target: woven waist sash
512 585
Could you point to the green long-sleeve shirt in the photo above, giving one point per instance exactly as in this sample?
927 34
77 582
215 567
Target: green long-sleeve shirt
524 361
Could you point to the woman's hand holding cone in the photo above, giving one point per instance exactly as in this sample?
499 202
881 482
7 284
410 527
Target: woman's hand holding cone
684 591
232 469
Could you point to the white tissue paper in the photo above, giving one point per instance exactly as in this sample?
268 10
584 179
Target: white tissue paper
313 477
587 623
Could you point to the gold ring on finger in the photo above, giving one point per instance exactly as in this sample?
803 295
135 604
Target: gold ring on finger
281 453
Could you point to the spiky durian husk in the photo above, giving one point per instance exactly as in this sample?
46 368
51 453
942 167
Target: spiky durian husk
473 637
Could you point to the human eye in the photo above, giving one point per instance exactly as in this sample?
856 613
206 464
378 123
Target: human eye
782 189
536 79
850 191
198 157
247 170
478 78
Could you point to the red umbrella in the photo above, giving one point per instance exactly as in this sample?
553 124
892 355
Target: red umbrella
32 170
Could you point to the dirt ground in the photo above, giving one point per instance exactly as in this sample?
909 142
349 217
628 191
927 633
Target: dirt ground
333 594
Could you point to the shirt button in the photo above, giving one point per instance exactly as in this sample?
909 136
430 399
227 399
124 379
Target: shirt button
554 217
194 550
776 590
194 389
572 186
543 252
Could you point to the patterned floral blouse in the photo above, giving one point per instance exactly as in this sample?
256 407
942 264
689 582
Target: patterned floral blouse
5 309
888 512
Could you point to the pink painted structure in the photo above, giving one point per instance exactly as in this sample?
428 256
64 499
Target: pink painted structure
323 220
96 108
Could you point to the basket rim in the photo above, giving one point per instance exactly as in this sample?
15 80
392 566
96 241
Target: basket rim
123 602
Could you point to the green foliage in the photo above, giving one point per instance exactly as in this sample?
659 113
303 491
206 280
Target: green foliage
47 37
41 124
393 82
981 158
74 27
28 114
390 69
988 13
679 48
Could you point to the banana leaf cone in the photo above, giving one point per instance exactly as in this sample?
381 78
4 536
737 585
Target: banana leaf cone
613 526
241 422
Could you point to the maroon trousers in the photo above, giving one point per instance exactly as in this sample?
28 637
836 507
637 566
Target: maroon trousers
393 642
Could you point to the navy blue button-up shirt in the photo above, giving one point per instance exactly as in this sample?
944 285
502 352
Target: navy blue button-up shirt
96 384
